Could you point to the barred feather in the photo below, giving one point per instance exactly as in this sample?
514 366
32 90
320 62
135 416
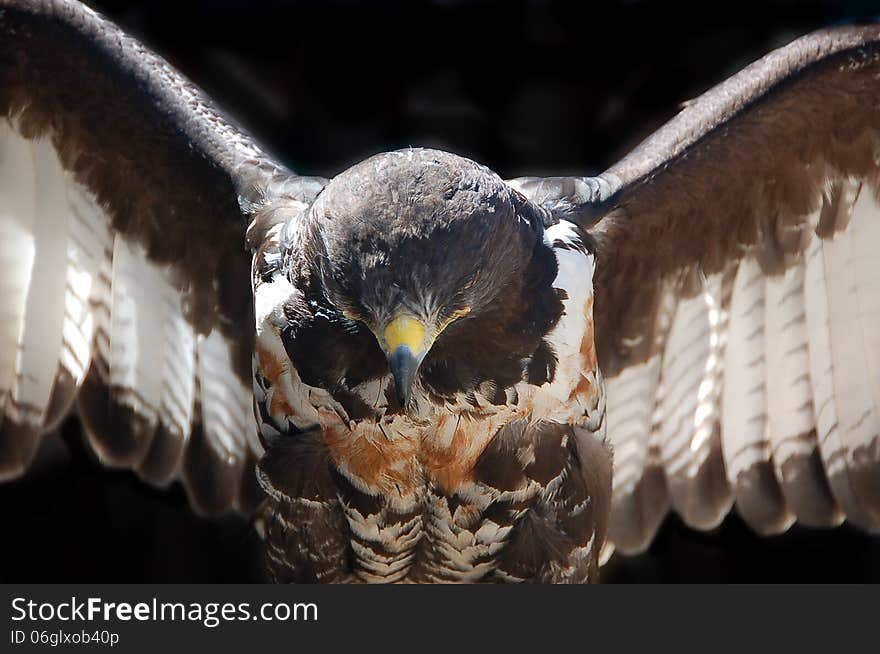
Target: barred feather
87 317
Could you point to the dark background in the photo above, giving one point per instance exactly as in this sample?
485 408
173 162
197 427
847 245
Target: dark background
535 87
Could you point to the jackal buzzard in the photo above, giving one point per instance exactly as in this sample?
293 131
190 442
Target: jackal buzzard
441 362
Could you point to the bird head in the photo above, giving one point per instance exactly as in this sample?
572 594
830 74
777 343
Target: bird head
434 255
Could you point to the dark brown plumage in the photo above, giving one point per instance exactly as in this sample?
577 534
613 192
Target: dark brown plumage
429 383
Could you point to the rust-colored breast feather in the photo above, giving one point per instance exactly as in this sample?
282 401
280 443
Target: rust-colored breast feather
466 491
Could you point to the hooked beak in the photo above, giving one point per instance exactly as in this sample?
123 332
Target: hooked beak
404 365
406 344
406 341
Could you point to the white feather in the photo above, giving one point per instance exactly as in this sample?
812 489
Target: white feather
791 419
865 229
175 360
744 398
88 235
227 410
39 344
745 441
837 366
789 396
17 202
574 277
640 498
631 397
136 334
89 239
688 408
178 368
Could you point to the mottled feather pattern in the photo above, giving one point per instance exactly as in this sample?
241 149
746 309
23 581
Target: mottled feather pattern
442 496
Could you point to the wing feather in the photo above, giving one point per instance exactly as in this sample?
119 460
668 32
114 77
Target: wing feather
17 250
641 499
88 238
799 350
857 417
217 457
768 183
747 450
688 408
124 339
126 286
791 420
177 398
136 326
39 342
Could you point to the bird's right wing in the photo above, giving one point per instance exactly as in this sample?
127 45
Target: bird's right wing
124 201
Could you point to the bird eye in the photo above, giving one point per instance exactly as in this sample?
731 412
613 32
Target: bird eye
455 315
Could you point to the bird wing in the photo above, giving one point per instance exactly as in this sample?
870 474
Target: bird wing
126 282
737 297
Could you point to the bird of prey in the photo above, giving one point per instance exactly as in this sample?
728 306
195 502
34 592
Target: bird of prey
418 371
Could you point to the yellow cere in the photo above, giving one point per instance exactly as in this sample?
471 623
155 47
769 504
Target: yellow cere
406 330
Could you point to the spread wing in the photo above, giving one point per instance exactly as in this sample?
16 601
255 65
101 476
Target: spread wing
738 297
126 284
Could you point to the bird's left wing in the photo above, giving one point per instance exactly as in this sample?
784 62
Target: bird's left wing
737 297
126 283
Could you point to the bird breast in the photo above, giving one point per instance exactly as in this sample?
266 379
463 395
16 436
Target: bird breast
405 477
